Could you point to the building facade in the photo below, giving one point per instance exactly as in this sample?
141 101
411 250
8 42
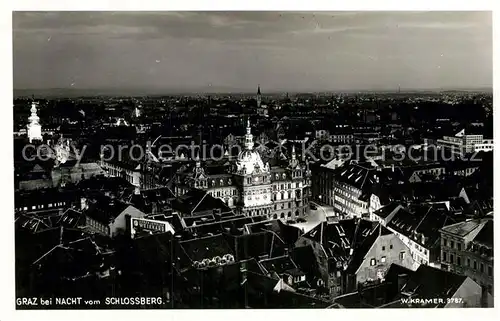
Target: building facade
466 143
467 249
252 187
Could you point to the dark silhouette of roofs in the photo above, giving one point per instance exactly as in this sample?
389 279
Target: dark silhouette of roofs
422 223
205 248
429 282
105 209
102 183
289 234
347 241
196 201
485 237
43 196
262 294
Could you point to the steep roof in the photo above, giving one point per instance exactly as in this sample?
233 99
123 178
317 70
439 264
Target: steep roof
106 209
422 223
429 282
198 200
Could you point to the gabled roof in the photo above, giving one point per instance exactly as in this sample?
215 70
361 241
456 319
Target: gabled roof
71 218
33 223
196 201
429 283
106 209
361 176
422 223
346 242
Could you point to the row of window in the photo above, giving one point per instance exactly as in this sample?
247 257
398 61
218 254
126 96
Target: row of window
41 206
223 193
474 264
282 206
383 259
282 215
288 186
451 244
98 226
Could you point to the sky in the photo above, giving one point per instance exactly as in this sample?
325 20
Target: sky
237 51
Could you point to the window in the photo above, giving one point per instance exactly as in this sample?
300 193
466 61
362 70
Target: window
482 268
452 244
382 259
459 246
390 247
452 259
459 263
373 262
383 248
402 255
468 262
444 242
475 265
490 271
444 257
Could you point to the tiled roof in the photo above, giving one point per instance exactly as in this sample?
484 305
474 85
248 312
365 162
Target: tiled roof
464 228
429 283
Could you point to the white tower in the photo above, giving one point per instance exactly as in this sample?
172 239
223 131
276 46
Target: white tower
34 127
138 111
249 137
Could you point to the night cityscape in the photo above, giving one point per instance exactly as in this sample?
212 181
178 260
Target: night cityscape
253 160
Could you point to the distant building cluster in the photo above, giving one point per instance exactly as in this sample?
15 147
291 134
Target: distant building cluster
290 212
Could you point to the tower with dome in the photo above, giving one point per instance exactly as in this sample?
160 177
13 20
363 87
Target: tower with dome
253 178
251 186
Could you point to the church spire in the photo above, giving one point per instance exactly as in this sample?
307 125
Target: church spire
259 97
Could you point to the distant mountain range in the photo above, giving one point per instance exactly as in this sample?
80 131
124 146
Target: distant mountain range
77 92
